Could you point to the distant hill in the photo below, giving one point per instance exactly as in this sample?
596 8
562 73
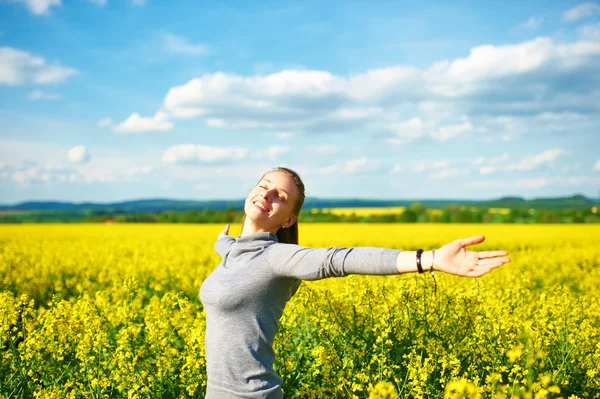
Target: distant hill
163 205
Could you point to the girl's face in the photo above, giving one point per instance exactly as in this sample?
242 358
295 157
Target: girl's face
277 193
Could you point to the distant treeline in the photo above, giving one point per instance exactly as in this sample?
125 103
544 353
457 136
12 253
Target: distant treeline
416 213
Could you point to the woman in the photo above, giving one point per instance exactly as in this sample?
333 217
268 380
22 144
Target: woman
262 268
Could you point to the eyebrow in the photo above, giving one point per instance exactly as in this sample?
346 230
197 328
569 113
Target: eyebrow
279 189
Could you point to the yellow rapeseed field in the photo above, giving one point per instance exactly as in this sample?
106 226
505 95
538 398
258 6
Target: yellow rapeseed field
112 311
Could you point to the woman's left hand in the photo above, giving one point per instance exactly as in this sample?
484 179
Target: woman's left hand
453 258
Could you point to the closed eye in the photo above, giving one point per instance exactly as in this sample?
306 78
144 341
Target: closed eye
280 197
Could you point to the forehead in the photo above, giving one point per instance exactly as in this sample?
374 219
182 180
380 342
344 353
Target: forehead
281 180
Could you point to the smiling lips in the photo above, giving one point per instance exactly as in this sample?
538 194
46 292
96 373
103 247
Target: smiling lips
261 206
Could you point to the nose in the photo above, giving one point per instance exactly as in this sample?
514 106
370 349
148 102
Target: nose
266 194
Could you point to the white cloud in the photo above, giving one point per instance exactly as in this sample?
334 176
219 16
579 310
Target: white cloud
37 94
532 23
452 131
19 68
583 10
203 186
190 153
322 149
404 103
38 7
590 32
160 122
490 184
486 170
214 122
538 182
597 166
363 164
426 165
78 154
355 113
526 163
98 175
491 160
410 129
442 174
105 122
397 169
285 135
175 44
272 152
532 162
30 173
139 170
560 116
305 100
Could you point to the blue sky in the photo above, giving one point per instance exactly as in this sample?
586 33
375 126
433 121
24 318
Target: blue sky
104 100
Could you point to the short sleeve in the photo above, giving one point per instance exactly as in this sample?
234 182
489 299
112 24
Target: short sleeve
304 263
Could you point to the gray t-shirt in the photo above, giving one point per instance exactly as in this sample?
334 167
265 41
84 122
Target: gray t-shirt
244 298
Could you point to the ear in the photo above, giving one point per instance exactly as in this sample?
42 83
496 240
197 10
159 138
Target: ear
290 222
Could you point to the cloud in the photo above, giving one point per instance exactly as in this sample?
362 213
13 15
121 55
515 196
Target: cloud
284 135
426 165
451 131
99 3
160 122
37 94
272 152
442 174
139 170
527 163
597 166
38 7
535 182
175 44
191 153
322 149
29 173
403 103
538 182
491 160
590 32
20 68
436 169
78 154
363 164
532 162
138 3
397 169
105 122
581 11
532 23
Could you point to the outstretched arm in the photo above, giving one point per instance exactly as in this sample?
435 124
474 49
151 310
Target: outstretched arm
317 263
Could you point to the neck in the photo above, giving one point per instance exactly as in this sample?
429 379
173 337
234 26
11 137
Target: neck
251 228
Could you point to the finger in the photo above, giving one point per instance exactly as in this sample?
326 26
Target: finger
495 262
491 254
471 240
226 229
480 271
